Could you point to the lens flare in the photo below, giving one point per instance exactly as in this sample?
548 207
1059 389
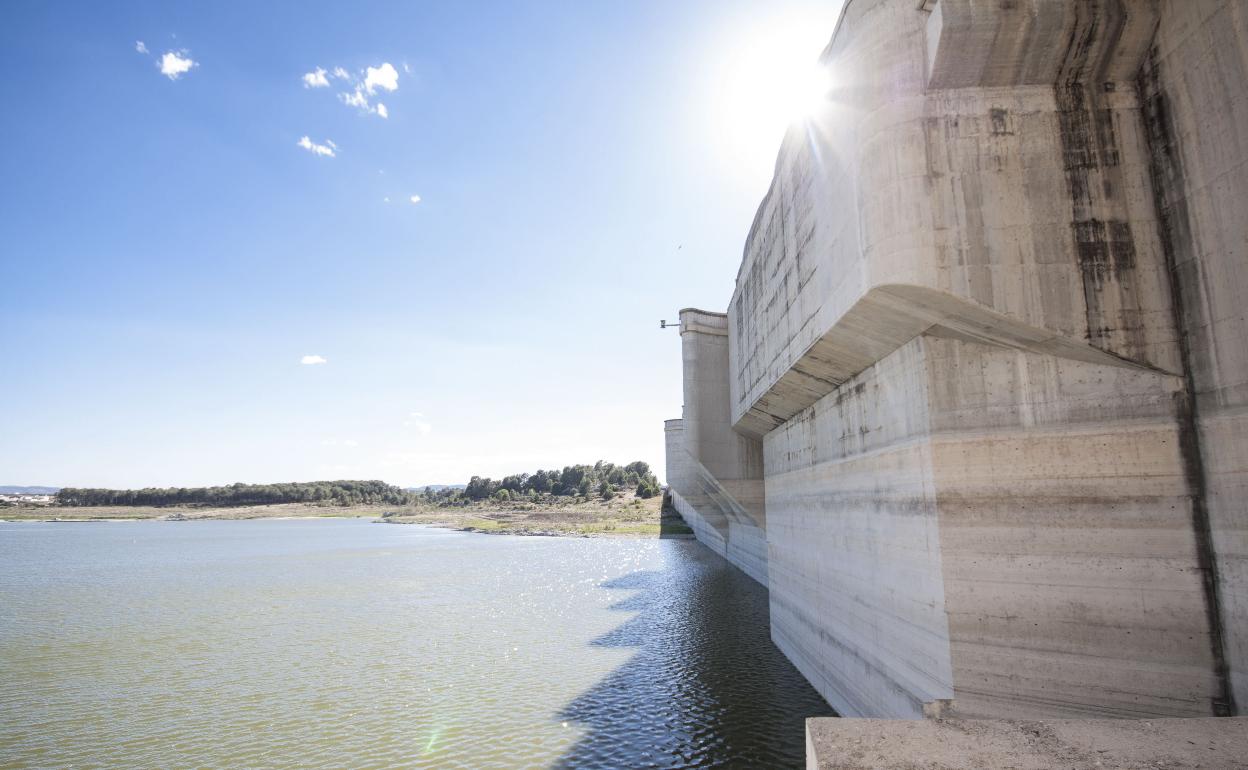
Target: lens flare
767 76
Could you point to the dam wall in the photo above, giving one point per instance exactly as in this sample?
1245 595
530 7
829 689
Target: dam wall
709 525
1195 100
719 472
989 333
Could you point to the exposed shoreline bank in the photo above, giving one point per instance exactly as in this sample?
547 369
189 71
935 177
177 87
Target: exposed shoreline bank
593 518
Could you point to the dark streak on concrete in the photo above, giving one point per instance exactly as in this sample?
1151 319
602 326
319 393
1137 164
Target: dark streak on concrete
1174 229
1104 244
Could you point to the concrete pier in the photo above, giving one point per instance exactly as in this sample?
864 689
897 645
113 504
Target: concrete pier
977 413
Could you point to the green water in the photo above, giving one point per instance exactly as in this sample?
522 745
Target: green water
342 643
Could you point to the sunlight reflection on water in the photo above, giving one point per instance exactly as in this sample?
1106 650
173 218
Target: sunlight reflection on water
279 644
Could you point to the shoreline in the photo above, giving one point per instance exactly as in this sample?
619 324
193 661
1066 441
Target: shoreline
622 517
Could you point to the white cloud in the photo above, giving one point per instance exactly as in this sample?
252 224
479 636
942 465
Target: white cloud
415 199
356 99
309 360
362 89
175 65
406 68
315 79
138 46
385 76
350 442
386 199
328 151
359 99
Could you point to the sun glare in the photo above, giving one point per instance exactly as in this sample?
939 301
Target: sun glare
766 78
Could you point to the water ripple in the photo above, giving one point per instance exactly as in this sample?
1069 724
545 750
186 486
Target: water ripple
326 644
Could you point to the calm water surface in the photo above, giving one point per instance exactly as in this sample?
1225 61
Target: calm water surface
342 643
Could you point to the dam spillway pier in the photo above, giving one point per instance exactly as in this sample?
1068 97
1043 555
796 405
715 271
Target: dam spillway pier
977 412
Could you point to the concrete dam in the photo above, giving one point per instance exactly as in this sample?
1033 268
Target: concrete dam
977 412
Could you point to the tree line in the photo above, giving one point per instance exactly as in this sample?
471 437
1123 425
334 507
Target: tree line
602 479
322 492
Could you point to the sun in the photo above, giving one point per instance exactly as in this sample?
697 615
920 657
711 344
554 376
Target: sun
767 75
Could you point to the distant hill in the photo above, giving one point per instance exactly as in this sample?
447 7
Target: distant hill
435 487
29 490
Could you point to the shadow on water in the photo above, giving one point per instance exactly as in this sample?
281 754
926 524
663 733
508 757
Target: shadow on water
706 688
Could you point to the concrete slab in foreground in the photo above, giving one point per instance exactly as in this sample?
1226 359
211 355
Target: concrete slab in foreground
848 744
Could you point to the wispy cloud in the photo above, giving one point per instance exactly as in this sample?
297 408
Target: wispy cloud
174 65
359 100
355 99
361 88
416 199
316 79
138 46
326 150
311 360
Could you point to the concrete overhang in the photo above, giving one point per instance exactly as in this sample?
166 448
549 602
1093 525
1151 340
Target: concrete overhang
884 319
971 43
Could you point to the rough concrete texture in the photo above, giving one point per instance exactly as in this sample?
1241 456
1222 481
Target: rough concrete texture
720 472
1016 538
990 329
1072 576
857 598
1081 744
709 525
734 460
1017 216
1196 107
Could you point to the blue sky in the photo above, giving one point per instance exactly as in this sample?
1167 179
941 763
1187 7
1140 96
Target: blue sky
170 253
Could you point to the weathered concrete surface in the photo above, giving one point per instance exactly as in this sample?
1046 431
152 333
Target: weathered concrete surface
990 328
733 459
1072 576
1028 42
857 597
1196 108
1021 216
996 528
709 525
1082 744
719 481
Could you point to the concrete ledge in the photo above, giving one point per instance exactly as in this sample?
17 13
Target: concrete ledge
885 318
845 744
1031 42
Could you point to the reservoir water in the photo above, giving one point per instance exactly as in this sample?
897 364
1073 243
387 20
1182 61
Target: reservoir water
343 643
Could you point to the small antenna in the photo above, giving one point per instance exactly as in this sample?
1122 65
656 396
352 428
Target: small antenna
666 325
